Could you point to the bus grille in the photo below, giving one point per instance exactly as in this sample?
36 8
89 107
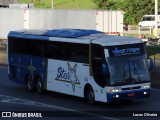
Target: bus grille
131 88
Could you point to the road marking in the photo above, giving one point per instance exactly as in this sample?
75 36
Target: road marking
14 100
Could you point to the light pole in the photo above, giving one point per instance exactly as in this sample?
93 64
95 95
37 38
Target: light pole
52 3
156 18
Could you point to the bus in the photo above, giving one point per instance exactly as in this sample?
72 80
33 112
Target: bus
83 63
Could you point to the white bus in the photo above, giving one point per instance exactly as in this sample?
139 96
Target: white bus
83 63
148 21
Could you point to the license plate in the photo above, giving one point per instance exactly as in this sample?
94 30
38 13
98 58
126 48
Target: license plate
131 94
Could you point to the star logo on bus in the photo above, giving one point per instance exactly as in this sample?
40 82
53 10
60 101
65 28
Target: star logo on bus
116 52
68 76
73 78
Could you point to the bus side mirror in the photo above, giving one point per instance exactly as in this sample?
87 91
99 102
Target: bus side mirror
150 63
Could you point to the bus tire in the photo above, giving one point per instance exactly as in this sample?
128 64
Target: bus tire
39 86
89 95
29 83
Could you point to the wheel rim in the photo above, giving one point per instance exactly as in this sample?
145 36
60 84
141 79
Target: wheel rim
29 85
39 87
90 95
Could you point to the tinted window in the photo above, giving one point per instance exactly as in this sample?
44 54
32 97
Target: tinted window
27 47
74 52
148 18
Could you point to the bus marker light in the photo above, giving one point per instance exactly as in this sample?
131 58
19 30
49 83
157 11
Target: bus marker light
109 90
145 93
117 96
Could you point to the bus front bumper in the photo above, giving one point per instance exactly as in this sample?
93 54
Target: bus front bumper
128 95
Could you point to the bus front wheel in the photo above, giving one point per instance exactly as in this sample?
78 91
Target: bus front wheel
89 95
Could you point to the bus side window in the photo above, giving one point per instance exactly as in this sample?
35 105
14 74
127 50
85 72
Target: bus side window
76 52
79 56
53 51
16 46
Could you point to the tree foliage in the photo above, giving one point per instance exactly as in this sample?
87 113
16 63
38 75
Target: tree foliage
105 4
134 9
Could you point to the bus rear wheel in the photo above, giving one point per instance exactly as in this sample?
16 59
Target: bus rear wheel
39 86
29 84
89 95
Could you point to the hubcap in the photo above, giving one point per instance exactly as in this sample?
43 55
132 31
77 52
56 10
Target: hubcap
29 85
90 95
39 86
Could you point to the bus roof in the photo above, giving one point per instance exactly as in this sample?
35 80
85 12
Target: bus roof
75 36
63 33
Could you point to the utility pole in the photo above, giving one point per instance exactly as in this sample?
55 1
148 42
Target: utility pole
156 18
52 3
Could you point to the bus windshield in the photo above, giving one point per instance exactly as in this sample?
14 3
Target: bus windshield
128 70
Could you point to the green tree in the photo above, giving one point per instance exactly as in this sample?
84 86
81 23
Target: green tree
135 9
105 4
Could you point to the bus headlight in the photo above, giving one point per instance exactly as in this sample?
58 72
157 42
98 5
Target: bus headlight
113 90
145 86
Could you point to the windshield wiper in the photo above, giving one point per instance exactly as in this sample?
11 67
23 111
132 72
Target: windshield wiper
136 70
126 80
119 82
129 78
